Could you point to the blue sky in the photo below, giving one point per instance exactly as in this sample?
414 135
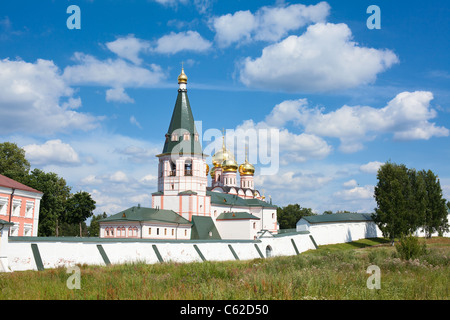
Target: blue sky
93 104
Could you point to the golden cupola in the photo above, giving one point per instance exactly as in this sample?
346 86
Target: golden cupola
182 78
222 155
246 169
229 165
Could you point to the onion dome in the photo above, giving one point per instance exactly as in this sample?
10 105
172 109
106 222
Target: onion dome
213 172
222 155
207 168
246 169
229 165
182 78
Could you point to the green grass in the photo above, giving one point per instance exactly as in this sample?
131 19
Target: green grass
330 272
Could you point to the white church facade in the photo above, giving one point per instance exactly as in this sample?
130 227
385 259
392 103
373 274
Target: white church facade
230 208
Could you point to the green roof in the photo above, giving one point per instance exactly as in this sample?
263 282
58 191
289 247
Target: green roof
6 223
182 122
236 216
202 227
338 217
235 200
147 214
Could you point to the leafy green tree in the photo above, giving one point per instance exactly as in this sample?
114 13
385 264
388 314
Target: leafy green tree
436 209
79 207
392 194
13 163
288 216
53 203
94 227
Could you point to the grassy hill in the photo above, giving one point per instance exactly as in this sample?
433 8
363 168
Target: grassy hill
330 272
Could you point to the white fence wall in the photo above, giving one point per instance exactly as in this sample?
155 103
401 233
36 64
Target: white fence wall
60 252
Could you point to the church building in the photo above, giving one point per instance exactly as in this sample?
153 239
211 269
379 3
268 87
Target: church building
184 206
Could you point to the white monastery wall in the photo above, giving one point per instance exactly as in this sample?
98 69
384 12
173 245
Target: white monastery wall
55 252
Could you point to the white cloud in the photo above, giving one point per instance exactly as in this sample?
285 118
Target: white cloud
322 59
51 152
91 180
371 167
129 48
35 98
356 193
266 24
182 41
115 73
118 95
118 176
134 121
406 117
350 183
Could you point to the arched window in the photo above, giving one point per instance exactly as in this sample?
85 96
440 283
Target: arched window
188 167
268 251
174 137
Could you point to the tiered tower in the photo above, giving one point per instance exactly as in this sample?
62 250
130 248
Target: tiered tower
182 168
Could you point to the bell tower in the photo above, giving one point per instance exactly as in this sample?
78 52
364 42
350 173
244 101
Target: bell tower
182 168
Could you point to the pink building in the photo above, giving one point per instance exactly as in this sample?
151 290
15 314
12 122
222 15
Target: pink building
19 204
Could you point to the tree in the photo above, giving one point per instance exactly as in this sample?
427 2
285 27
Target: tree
435 219
79 207
53 202
13 163
94 227
288 216
392 194
408 199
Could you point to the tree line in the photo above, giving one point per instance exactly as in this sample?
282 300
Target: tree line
62 213
408 200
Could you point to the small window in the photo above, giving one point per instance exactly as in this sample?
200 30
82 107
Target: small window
173 232
186 136
196 137
165 231
185 232
174 137
157 231
149 230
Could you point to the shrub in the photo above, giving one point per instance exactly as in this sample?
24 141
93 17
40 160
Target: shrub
409 247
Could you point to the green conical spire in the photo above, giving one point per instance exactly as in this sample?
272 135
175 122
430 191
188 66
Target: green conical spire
182 136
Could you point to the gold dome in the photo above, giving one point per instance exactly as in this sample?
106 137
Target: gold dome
207 168
229 165
213 172
220 156
182 78
246 169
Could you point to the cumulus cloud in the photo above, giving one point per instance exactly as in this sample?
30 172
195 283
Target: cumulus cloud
36 93
51 152
129 48
356 193
322 59
182 41
371 167
266 24
118 95
407 116
116 73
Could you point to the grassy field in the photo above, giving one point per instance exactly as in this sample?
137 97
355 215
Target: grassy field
330 272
